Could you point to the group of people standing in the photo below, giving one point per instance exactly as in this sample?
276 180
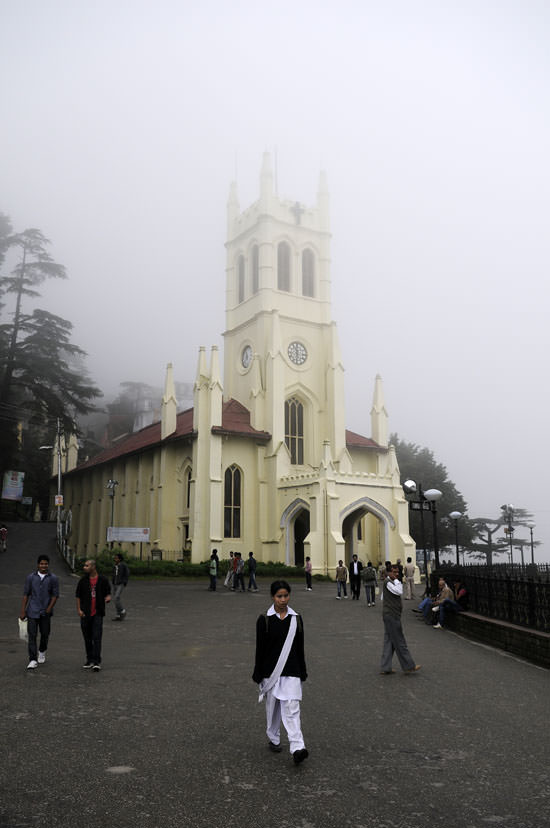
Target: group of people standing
357 574
234 578
93 593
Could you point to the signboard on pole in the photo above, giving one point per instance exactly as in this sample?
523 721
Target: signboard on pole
12 488
59 500
131 534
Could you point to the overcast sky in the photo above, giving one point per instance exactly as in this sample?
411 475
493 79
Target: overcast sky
124 123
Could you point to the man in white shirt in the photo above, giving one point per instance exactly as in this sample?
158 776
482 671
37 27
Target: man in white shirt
394 640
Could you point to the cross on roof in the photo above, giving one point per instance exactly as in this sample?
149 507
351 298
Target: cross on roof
297 210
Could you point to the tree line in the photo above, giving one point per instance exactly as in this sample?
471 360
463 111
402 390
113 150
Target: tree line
477 535
43 379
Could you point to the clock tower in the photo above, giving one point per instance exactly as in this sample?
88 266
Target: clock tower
281 353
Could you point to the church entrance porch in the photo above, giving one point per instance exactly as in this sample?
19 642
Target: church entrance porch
365 535
295 523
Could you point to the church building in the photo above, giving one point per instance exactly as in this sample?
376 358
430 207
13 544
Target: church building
263 461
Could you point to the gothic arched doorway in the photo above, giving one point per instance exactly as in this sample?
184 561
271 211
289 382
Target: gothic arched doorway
301 531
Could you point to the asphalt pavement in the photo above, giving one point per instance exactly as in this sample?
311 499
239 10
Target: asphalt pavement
170 732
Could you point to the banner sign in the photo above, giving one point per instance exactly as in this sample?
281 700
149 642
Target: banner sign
127 533
12 488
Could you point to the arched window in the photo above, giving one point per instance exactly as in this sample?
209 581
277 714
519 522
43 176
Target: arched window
283 266
255 269
232 503
294 430
188 488
241 278
308 273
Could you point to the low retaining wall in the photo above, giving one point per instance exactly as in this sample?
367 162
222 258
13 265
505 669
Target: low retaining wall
528 644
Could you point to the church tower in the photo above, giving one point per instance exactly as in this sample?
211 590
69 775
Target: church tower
282 358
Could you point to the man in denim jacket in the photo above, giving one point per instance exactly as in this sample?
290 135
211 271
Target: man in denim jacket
40 593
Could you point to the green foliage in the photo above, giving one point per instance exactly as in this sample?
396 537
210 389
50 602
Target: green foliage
419 464
177 569
42 378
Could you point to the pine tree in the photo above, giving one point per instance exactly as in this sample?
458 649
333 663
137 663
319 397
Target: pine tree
41 373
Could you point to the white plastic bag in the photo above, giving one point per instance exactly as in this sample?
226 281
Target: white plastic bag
23 635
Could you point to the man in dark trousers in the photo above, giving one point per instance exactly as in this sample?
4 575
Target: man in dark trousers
40 593
355 568
394 640
121 574
92 593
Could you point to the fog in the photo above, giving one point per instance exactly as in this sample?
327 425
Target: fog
124 123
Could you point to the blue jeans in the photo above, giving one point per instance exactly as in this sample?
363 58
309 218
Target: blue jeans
33 625
426 607
119 588
92 631
252 581
370 588
341 585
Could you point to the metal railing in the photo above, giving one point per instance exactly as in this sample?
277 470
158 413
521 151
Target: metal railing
507 592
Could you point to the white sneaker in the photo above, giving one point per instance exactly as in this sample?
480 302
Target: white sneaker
438 627
41 657
32 665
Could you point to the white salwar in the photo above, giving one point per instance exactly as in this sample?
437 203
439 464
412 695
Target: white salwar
282 703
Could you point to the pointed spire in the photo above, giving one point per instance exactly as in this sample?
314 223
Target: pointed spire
215 376
169 405
202 371
266 180
71 459
393 467
378 414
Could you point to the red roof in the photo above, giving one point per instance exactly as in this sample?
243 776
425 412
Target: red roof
354 440
235 421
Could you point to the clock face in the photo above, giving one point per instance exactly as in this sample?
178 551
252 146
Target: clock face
246 356
297 353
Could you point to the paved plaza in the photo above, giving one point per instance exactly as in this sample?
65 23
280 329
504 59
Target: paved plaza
170 733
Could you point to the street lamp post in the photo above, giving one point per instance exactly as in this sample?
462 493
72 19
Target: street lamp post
508 513
111 486
59 497
427 502
455 517
531 527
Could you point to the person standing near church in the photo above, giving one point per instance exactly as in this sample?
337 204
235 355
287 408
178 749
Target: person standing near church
230 572
252 585
308 570
394 640
409 579
121 573
280 669
355 568
93 591
341 580
40 594
238 578
213 570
